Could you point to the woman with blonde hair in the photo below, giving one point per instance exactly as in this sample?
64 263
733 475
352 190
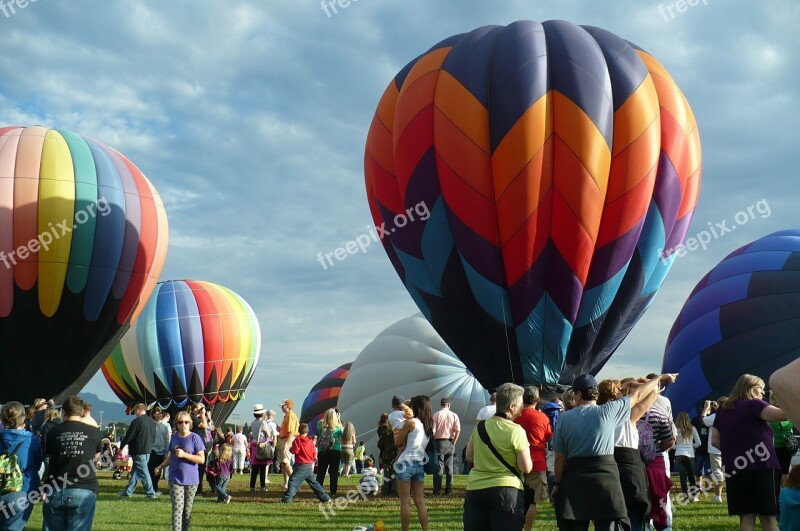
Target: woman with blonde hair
348 447
632 470
688 439
742 432
329 446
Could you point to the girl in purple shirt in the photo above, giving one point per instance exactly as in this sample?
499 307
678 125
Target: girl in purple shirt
186 451
742 432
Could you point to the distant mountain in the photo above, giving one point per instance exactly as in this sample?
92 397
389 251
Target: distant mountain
112 411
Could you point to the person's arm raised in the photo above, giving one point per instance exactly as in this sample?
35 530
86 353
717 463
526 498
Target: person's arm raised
641 392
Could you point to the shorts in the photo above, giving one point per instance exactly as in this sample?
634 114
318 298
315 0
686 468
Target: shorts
282 450
535 488
753 492
409 470
717 475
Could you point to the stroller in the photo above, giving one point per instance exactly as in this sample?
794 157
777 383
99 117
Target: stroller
122 464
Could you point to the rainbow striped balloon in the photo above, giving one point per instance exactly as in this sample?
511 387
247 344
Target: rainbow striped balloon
83 238
530 183
323 396
194 342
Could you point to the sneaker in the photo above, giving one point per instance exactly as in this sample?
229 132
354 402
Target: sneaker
154 495
263 489
228 499
716 499
123 495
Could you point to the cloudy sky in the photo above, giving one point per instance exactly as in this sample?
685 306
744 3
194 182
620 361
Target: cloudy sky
250 119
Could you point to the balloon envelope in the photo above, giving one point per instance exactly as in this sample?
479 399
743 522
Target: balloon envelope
742 317
408 358
531 183
194 342
323 396
83 238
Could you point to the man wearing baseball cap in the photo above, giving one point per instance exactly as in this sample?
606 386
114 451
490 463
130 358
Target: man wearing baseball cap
446 428
289 430
587 485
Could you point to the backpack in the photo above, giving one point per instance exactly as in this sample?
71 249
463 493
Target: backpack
325 438
10 473
388 451
647 442
553 410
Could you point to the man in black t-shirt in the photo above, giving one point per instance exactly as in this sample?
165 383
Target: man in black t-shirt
139 439
70 488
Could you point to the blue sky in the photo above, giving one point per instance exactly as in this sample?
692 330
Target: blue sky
250 118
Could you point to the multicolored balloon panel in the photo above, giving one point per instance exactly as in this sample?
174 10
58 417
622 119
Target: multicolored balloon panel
742 317
531 183
323 396
83 238
194 342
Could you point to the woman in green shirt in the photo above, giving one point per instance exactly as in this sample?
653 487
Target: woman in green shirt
495 499
329 446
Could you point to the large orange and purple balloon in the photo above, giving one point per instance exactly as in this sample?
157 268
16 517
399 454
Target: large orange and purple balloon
83 238
531 183
195 342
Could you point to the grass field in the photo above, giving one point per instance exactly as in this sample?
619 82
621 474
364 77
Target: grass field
262 510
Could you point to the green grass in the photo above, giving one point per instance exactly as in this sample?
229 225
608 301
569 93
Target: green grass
262 510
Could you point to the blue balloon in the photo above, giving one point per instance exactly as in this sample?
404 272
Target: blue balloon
742 318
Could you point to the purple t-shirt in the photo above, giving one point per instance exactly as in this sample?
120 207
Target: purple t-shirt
226 468
181 471
746 441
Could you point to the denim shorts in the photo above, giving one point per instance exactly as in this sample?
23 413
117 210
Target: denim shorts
409 470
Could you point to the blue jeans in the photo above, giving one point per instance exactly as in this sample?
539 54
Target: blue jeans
139 472
14 511
220 485
69 509
304 473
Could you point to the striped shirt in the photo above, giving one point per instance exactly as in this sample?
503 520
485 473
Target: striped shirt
661 424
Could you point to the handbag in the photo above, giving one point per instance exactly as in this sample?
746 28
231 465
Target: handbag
790 441
265 451
484 435
431 458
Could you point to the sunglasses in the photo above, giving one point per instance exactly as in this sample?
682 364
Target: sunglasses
184 422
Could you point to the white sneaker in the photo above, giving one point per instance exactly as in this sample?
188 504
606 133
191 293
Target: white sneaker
716 499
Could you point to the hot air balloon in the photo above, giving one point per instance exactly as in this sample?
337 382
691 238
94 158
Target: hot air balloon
742 317
408 358
323 396
83 238
530 183
195 342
